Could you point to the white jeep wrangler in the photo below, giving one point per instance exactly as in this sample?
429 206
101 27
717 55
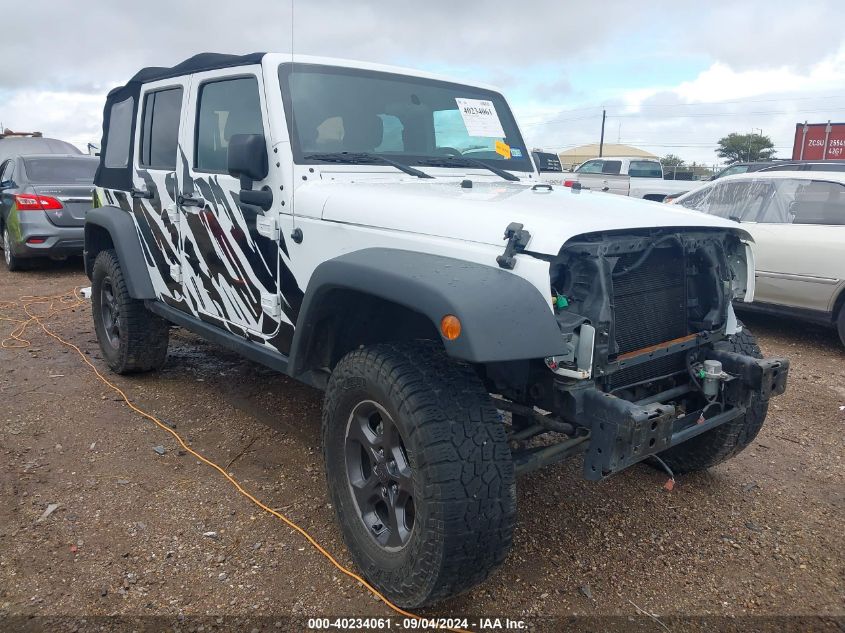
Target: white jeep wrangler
383 235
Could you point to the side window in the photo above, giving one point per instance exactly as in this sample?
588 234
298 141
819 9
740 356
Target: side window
819 202
645 169
226 107
160 128
611 167
119 135
591 167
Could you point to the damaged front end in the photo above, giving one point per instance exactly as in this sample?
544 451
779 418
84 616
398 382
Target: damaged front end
647 317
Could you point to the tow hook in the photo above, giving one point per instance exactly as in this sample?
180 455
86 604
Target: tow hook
517 238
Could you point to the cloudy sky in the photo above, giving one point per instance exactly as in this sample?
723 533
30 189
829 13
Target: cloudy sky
673 76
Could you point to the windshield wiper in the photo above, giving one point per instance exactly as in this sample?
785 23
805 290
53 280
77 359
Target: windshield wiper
363 158
466 161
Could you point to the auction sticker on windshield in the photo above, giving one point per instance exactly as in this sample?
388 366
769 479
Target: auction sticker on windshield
480 118
503 149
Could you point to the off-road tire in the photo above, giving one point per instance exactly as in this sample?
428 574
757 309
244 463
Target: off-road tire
725 441
13 263
141 342
463 475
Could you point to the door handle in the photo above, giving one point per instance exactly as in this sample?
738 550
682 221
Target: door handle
140 193
605 188
188 201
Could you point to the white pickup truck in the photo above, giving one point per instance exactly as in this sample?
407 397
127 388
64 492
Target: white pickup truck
628 176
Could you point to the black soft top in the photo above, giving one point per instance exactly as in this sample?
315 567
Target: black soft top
121 177
196 64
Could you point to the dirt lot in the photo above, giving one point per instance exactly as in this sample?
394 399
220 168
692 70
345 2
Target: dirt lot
759 536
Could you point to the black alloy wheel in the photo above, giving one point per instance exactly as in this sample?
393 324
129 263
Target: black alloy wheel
110 312
379 475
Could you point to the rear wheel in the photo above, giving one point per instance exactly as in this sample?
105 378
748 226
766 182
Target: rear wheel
131 337
727 440
13 263
418 470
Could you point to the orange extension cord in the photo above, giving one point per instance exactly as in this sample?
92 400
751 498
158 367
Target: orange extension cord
67 301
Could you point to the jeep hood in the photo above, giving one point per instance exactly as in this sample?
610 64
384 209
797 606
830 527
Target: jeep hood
481 213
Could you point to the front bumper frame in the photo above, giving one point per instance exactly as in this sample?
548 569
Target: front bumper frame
623 433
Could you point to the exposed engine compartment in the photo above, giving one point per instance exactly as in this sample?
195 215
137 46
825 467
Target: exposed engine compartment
642 293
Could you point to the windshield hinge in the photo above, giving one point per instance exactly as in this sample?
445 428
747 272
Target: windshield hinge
517 239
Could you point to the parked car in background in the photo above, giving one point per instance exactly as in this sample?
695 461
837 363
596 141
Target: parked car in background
634 177
797 220
742 168
780 165
22 144
806 165
549 167
43 202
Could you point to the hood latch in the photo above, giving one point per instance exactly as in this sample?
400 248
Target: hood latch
517 239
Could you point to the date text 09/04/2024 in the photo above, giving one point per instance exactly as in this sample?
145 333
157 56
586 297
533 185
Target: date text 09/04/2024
383 624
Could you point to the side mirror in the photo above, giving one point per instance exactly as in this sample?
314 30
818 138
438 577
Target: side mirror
247 158
247 161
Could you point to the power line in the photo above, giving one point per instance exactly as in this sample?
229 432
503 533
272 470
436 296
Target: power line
714 114
558 119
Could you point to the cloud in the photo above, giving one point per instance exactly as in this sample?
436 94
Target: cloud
548 56
75 117
689 118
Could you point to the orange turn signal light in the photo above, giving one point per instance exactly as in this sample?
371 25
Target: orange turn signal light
450 327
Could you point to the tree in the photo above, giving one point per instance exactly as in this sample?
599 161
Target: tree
745 147
670 160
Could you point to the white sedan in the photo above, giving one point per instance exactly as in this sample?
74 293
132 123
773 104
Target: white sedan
797 220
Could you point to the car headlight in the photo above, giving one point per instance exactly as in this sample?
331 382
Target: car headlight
741 264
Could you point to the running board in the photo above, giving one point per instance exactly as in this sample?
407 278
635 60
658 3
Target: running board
248 349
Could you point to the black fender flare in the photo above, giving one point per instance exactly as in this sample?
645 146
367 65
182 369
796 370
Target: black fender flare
127 244
503 316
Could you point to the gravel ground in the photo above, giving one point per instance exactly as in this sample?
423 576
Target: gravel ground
137 533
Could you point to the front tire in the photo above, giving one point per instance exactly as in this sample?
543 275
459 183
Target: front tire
729 439
840 324
419 471
132 339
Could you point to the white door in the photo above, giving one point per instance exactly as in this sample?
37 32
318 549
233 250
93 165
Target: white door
231 251
156 179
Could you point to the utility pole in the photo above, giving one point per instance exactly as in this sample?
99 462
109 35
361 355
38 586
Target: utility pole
751 136
601 142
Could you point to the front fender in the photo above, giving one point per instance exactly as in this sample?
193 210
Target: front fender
503 316
124 238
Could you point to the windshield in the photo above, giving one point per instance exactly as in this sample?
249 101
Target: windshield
61 170
730 171
412 119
